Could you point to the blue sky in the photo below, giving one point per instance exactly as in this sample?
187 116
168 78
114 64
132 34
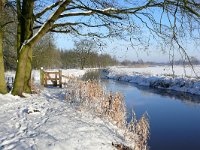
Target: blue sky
116 48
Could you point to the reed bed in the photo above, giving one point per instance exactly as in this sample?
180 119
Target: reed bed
90 95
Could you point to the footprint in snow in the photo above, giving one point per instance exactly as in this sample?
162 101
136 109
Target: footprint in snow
17 125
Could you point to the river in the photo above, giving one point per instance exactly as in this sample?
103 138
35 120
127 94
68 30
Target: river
174 117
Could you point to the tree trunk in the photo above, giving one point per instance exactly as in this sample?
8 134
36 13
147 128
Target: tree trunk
19 28
25 32
27 80
18 88
3 89
22 77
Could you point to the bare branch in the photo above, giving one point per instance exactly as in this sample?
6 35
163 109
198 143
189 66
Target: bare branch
78 23
59 31
38 15
106 12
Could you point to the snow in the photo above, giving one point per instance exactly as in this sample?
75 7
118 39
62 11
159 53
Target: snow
70 72
47 121
66 72
160 77
159 70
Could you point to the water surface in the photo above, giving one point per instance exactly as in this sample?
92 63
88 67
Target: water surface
174 117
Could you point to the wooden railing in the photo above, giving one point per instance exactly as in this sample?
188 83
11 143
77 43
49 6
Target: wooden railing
51 78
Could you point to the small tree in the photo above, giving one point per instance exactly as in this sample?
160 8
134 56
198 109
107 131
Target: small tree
84 49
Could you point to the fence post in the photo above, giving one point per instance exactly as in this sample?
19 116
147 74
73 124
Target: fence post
41 76
60 78
56 79
46 75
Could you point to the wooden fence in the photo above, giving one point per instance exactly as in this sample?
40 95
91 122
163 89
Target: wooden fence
51 78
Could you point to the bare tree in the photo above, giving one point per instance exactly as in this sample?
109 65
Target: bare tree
84 49
101 19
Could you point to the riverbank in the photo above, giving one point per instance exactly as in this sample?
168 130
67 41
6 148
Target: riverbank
159 77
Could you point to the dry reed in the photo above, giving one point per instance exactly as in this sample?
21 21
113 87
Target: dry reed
91 96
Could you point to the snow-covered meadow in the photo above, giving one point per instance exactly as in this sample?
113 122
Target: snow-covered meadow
181 78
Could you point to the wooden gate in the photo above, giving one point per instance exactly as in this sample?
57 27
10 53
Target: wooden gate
51 78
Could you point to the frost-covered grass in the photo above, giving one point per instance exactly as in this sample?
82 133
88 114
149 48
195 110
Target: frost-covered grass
183 79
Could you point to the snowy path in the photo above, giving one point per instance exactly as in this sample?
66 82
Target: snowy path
46 121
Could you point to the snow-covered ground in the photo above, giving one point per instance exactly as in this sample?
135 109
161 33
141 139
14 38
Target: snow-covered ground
160 77
66 72
47 121
179 71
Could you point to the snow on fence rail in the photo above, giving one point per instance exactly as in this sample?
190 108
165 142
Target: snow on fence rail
53 78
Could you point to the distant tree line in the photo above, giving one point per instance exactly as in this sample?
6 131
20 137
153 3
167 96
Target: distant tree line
47 55
71 59
85 55
193 60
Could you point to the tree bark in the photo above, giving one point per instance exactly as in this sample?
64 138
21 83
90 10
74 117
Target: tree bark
3 89
18 88
19 15
24 32
27 80
27 11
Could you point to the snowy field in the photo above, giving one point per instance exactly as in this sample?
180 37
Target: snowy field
185 80
47 121
179 71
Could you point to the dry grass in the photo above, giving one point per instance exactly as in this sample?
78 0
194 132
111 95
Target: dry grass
139 128
90 95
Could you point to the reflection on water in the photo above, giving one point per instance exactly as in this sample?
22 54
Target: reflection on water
174 116
186 97
146 91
